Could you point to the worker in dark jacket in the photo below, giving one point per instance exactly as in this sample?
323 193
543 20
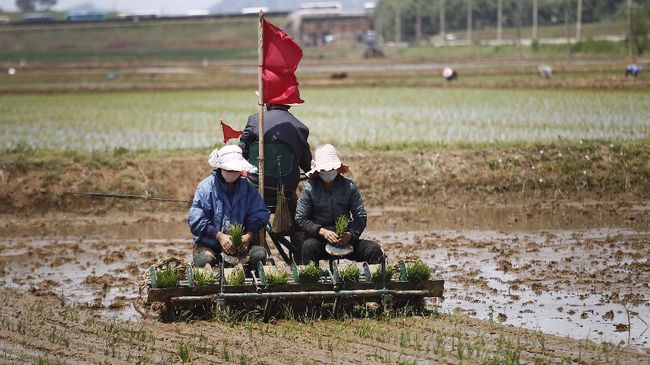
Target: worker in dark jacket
280 126
326 196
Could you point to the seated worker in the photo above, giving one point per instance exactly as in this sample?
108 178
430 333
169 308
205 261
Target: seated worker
224 199
280 126
326 196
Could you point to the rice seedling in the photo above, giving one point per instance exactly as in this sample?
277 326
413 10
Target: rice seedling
309 274
277 276
350 273
225 355
400 117
377 274
237 276
42 361
243 359
167 277
418 272
341 225
184 353
204 277
236 232
59 339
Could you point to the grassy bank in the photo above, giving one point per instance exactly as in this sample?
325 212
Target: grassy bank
410 174
235 38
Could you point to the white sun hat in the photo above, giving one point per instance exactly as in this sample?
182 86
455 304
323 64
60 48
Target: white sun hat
229 158
447 72
213 160
326 159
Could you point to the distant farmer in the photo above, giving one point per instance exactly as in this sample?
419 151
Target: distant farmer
326 196
449 74
545 71
633 70
280 126
222 200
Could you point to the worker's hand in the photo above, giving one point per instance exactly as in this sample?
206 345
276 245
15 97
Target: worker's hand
330 236
345 238
246 241
226 243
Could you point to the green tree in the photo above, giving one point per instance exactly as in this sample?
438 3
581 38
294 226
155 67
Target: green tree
639 27
31 5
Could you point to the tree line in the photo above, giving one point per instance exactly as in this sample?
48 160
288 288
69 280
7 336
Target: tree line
411 20
31 5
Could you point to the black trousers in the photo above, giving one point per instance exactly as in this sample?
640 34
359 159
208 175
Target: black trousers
313 249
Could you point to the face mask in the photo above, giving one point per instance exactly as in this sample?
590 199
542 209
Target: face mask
328 176
230 176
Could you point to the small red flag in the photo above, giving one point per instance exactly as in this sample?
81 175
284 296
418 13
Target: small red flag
229 133
281 58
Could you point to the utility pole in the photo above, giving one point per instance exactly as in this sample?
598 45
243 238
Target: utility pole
499 20
567 28
469 20
379 29
579 21
629 28
398 24
518 24
534 35
418 21
442 21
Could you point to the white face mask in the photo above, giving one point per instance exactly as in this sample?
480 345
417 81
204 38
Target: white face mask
328 176
230 176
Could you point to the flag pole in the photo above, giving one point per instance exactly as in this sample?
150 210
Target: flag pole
260 115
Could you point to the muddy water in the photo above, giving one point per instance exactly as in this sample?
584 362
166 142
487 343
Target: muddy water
97 272
570 282
565 282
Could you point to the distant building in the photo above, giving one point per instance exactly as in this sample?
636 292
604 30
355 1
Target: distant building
135 15
319 23
86 16
254 10
37 18
198 12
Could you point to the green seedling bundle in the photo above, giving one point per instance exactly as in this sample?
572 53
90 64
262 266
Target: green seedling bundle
309 274
167 277
418 272
204 277
236 232
341 225
377 274
277 277
350 273
237 277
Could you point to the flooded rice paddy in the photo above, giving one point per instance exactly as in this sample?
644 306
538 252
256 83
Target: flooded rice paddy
580 283
176 120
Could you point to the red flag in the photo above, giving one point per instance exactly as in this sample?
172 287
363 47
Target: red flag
281 58
229 133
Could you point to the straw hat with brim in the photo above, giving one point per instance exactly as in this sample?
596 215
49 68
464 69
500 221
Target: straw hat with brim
326 159
338 250
229 158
